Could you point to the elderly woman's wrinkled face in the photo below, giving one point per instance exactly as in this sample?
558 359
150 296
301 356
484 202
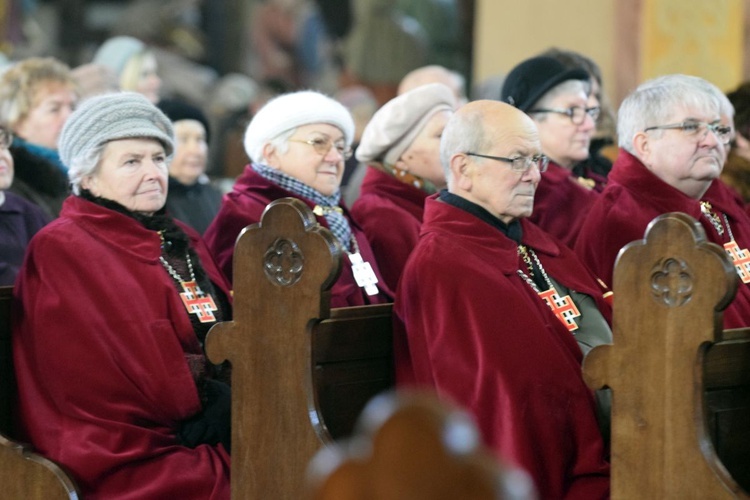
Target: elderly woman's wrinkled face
562 140
132 172
191 151
422 157
321 171
52 105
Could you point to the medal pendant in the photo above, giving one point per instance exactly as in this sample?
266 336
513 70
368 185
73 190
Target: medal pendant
562 307
198 303
363 274
740 258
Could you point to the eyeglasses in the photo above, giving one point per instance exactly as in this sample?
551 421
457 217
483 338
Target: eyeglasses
576 114
519 164
698 130
323 145
6 138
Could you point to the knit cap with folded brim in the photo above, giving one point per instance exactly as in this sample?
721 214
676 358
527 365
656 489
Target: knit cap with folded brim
109 117
293 110
397 123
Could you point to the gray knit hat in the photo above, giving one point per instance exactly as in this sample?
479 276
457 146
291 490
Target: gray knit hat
109 117
293 110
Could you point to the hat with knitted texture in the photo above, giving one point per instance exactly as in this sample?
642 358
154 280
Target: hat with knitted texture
397 123
109 117
117 51
293 110
531 79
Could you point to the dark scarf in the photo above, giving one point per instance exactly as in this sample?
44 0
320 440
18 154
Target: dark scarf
174 250
512 230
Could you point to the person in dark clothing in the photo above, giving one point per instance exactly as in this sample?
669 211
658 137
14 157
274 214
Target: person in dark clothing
191 199
36 97
19 219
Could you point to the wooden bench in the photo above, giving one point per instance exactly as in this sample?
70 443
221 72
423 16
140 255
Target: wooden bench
301 372
680 385
24 475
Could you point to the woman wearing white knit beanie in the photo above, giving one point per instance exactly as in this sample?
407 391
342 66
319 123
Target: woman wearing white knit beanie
297 144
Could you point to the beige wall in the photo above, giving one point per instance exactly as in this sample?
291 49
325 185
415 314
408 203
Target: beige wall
509 31
631 40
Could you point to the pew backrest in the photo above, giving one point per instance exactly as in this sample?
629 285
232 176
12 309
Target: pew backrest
299 379
670 365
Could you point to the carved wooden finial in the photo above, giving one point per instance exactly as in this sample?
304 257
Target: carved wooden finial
285 259
669 290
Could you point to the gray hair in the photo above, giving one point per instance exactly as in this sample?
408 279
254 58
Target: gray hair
280 144
84 165
464 132
566 87
655 101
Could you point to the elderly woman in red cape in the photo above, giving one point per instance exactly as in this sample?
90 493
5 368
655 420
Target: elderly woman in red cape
401 146
297 144
113 303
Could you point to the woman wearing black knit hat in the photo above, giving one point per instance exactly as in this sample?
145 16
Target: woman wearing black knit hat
116 299
192 198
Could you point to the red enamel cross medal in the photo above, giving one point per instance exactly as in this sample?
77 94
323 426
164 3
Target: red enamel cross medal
562 307
198 303
741 259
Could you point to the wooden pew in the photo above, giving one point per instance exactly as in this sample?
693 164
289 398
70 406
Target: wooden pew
23 473
410 446
680 385
299 379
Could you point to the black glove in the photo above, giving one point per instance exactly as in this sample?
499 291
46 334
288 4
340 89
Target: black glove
213 424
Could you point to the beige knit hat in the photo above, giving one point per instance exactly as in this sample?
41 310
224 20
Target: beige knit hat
292 110
395 125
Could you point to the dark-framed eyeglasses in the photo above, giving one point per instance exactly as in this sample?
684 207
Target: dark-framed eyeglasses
6 138
322 145
577 114
698 129
519 164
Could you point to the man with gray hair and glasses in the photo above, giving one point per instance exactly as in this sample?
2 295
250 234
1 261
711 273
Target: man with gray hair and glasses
674 134
489 307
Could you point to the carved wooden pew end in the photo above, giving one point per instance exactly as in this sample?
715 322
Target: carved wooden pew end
412 446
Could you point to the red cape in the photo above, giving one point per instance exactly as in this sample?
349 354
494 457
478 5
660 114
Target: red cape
561 204
390 213
634 196
245 204
99 345
479 335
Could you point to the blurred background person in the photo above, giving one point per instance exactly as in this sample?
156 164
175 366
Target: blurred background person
401 146
134 65
94 79
361 103
19 219
192 198
557 99
37 95
436 74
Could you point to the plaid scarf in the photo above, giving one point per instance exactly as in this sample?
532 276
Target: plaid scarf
329 204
